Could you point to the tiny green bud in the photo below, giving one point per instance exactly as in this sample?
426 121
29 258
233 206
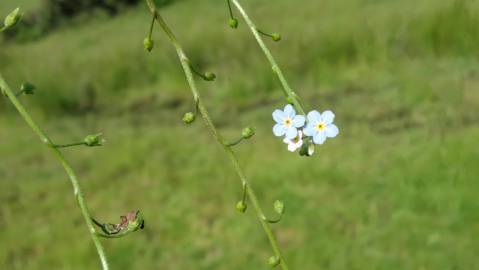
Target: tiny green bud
247 133
273 261
94 140
13 18
241 206
276 37
27 88
233 23
290 100
189 118
209 76
148 43
307 149
135 221
279 207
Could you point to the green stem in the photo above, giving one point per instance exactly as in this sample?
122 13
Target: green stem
229 151
68 168
230 9
68 145
289 93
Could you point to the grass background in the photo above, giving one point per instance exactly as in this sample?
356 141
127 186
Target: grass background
397 189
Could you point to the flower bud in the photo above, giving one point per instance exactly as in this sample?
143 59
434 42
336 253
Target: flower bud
241 206
209 76
28 88
307 149
290 100
279 207
233 23
135 221
94 140
273 261
148 44
189 118
13 18
247 133
276 37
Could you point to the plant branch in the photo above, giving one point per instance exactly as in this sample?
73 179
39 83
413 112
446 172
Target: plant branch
229 151
288 91
66 165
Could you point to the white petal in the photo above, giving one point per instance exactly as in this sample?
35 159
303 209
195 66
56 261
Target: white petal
331 131
328 117
286 140
291 133
289 111
278 116
314 116
298 121
309 130
279 130
291 147
319 138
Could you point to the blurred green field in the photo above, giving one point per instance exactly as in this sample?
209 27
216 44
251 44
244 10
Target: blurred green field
397 189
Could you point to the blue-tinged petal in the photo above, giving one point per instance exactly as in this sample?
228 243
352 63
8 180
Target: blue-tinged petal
298 121
331 130
289 111
291 133
319 138
279 130
314 116
309 130
328 117
278 116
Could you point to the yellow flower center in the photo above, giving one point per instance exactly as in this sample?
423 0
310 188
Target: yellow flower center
288 122
320 126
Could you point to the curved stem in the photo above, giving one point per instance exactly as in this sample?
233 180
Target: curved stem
66 165
229 151
289 93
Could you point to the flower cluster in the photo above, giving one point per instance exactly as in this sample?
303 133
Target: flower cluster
302 132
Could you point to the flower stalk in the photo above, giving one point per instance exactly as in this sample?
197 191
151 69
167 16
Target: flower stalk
66 165
290 95
185 63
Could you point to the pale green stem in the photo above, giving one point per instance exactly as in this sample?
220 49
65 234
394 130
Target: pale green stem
68 168
229 151
289 93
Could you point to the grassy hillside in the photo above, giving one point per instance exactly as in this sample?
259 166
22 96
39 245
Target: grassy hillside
396 190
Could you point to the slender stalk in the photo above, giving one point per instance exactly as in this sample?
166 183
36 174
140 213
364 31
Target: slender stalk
288 91
66 165
229 151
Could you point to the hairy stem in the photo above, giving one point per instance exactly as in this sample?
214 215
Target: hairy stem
185 63
66 165
288 91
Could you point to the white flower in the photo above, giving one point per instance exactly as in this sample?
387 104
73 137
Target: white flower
320 126
295 143
287 122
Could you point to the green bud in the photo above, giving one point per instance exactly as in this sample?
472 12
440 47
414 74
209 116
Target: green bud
148 44
241 206
189 118
13 18
135 222
307 149
233 23
209 76
247 133
273 261
27 88
276 37
94 140
290 100
279 207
